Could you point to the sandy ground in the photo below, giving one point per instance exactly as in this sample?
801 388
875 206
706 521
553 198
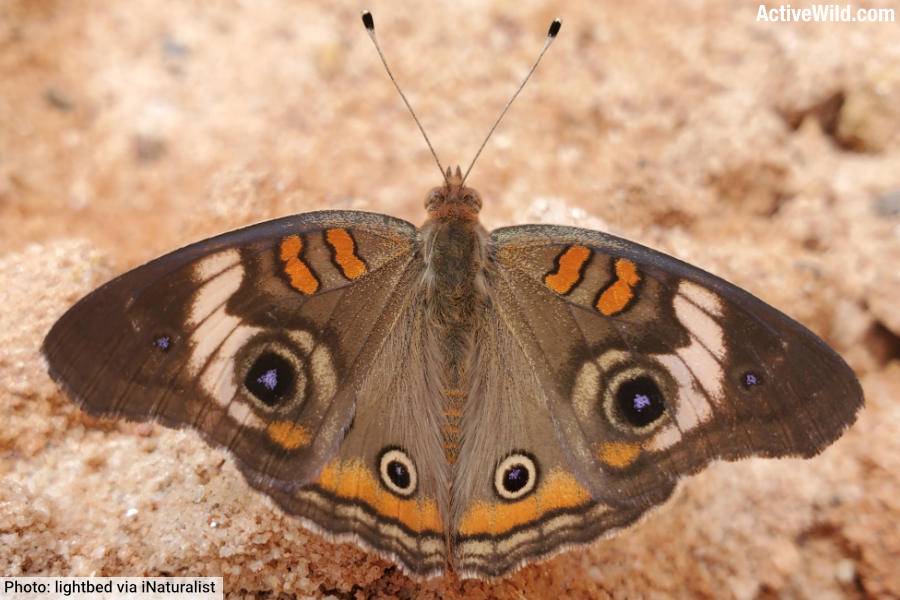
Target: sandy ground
766 153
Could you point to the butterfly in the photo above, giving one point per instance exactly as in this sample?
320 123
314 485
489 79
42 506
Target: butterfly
452 398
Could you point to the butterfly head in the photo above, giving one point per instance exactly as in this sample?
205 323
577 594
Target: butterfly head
453 199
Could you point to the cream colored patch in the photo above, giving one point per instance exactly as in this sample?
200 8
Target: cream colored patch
241 413
209 336
586 388
707 342
510 543
216 263
611 358
692 407
218 376
426 545
702 297
704 366
215 293
523 537
666 437
506 545
322 371
701 326
304 339
477 548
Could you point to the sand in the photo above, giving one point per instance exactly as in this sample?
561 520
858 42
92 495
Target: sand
766 153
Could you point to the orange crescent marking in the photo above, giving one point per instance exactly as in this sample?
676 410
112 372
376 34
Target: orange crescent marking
288 435
616 297
618 454
345 253
568 273
559 490
301 278
351 480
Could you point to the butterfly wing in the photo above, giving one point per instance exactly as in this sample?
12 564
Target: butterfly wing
265 340
646 370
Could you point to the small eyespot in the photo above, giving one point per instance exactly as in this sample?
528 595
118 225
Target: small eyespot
639 402
751 379
516 476
270 378
397 471
163 343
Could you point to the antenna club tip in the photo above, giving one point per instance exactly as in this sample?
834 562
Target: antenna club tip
369 22
555 26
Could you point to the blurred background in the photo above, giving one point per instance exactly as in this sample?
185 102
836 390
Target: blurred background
768 153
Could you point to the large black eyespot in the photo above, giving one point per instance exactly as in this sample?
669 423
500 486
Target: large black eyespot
397 471
274 371
270 378
516 476
639 402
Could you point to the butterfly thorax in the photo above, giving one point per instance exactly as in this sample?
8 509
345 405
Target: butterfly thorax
453 244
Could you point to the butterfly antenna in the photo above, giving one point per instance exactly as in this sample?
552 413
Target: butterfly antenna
551 35
369 23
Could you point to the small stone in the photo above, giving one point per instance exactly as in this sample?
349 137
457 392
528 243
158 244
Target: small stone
149 149
845 571
888 205
58 99
870 117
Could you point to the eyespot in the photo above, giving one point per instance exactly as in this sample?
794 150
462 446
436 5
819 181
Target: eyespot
163 343
397 472
271 378
750 379
272 372
516 476
639 401
634 400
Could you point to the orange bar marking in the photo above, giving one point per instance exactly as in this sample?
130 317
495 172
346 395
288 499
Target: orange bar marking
619 294
345 256
352 480
569 270
559 490
288 435
618 454
301 278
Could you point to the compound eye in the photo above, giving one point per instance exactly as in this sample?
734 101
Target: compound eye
397 472
516 476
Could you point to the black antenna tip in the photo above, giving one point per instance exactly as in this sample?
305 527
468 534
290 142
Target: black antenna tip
369 22
554 27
